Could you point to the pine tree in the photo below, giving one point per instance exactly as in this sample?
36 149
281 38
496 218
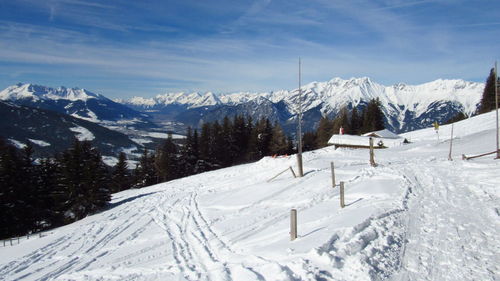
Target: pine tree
120 177
309 141
144 173
48 212
373 117
166 160
84 183
9 220
342 120
355 122
488 97
278 145
204 144
324 132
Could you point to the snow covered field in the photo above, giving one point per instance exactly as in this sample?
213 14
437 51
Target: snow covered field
417 216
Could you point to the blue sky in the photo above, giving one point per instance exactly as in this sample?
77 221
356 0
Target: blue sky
123 48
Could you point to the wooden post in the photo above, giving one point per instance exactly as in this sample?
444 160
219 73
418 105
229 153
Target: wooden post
11 241
342 204
17 240
333 175
451 143
293 224
4 243
372 155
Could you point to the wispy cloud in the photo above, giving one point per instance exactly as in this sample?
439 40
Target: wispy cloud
241 47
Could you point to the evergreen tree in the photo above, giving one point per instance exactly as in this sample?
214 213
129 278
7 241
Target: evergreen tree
84 183
342 120
26 193
240 136
166 160
120 177
48 213
488 97
278 144
324 131
355 122
227 143
309 141
144 173
9 162
373 117
204 144
189 153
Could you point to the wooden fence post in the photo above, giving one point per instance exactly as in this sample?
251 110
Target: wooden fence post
333 175
372 154
293 224
342 204
11 241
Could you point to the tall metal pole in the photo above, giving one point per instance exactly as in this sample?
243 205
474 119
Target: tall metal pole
496 107
299 144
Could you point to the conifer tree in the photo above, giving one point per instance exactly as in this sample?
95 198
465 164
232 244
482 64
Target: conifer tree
84 183
9 159
120 177
205 137
48 212
324 131
278 144
166 160
309 141
488 97
373 117
342 120
355 122
144 173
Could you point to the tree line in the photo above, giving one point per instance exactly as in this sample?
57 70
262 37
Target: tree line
39 194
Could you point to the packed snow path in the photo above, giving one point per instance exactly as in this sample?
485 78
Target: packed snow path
416 216
453 222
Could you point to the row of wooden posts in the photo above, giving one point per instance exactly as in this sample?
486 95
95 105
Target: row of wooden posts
11 241
293 212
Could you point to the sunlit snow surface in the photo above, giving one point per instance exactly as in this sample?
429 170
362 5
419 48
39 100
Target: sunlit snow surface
417 216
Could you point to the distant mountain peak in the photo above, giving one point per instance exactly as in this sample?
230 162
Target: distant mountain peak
38 92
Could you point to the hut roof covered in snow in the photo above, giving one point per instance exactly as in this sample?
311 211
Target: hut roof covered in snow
382 134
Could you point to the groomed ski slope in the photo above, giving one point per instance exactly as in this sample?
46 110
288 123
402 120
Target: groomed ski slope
417 216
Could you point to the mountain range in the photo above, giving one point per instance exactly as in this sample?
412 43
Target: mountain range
145 121
406 107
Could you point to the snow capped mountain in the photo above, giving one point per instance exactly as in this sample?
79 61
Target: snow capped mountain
76 102
406 106
37 92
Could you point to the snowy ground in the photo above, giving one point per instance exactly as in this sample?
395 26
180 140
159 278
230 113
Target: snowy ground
417 216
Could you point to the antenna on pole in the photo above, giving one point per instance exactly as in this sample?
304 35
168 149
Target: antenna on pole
496 109
299 133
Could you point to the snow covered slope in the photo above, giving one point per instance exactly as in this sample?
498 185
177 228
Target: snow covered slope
416 216
406 107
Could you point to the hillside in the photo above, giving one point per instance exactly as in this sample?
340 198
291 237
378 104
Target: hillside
52 132
416 216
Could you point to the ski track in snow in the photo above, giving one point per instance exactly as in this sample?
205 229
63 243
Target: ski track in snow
414 217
